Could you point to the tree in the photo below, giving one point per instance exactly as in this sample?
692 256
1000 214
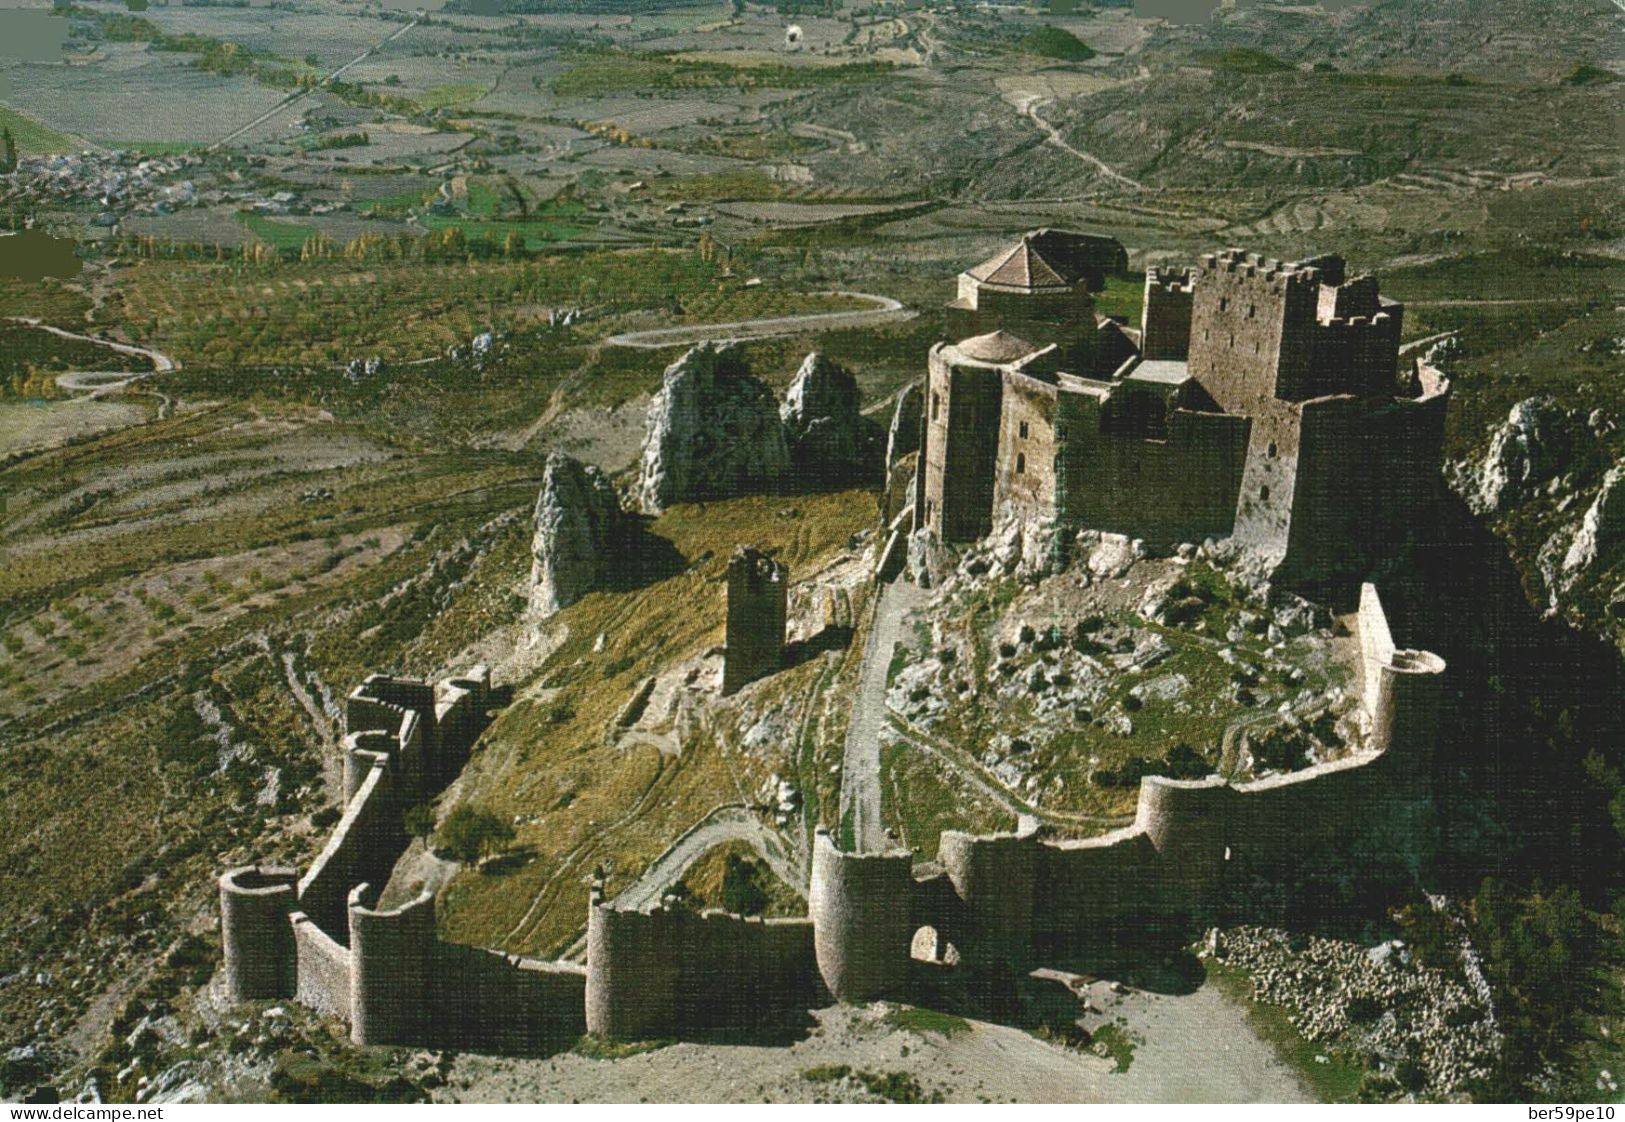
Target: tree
418 820
8 161
471 832
740 892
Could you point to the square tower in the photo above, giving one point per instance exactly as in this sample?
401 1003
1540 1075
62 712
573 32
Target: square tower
758 596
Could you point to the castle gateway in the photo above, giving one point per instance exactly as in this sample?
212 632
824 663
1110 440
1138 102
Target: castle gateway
1260 400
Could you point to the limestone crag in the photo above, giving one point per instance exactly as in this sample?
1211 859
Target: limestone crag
822 420
579 528
713 432
903 435
1601 536
1533 445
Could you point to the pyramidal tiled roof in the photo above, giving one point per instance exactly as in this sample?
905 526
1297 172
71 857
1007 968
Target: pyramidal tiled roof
1026 265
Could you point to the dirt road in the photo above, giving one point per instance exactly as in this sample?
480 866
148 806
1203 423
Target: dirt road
860 766
886 310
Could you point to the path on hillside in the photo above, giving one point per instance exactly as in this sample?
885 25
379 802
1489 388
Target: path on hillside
294 98
724 824
886 310
860 764
100 381
1029 104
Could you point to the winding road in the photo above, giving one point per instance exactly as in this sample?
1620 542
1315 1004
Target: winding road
101 381
885 310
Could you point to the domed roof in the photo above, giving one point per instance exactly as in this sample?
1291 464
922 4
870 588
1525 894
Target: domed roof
996 347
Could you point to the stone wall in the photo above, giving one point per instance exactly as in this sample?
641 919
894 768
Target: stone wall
1007 902
964 401
1367 479
1181 488
324 968
384 971
363 847
673 971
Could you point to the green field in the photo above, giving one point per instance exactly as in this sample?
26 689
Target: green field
35 139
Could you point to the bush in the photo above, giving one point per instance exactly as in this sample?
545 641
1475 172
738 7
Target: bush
470 833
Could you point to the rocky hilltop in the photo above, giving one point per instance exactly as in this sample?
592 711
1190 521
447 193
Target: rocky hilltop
579 530
713 431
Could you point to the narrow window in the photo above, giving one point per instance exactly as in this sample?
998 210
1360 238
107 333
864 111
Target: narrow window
1224 303
1024 430
1271 450
936 405
1264 494
1021 463
1252 310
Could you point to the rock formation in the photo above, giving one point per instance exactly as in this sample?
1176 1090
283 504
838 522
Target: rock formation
1534 444
713 432
822 421
903 435
1601 536
580 529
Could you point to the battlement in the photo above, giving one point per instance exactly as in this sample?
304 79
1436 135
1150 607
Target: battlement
1239 264
1167 279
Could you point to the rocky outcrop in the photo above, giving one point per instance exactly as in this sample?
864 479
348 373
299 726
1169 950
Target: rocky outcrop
713 432
822 422
1533 445
580 532
903 435
1601 536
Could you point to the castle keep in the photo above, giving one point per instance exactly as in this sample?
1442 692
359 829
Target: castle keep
1259 400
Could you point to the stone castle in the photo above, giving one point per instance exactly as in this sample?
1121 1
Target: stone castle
1259 400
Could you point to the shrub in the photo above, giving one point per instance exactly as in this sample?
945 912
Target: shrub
741 894
471 832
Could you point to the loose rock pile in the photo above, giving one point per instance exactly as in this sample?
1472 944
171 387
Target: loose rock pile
1376 1000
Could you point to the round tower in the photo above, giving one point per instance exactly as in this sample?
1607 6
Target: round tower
391 953
631 973
861 906
255 932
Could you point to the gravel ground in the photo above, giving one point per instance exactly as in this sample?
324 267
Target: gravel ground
1189 1048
